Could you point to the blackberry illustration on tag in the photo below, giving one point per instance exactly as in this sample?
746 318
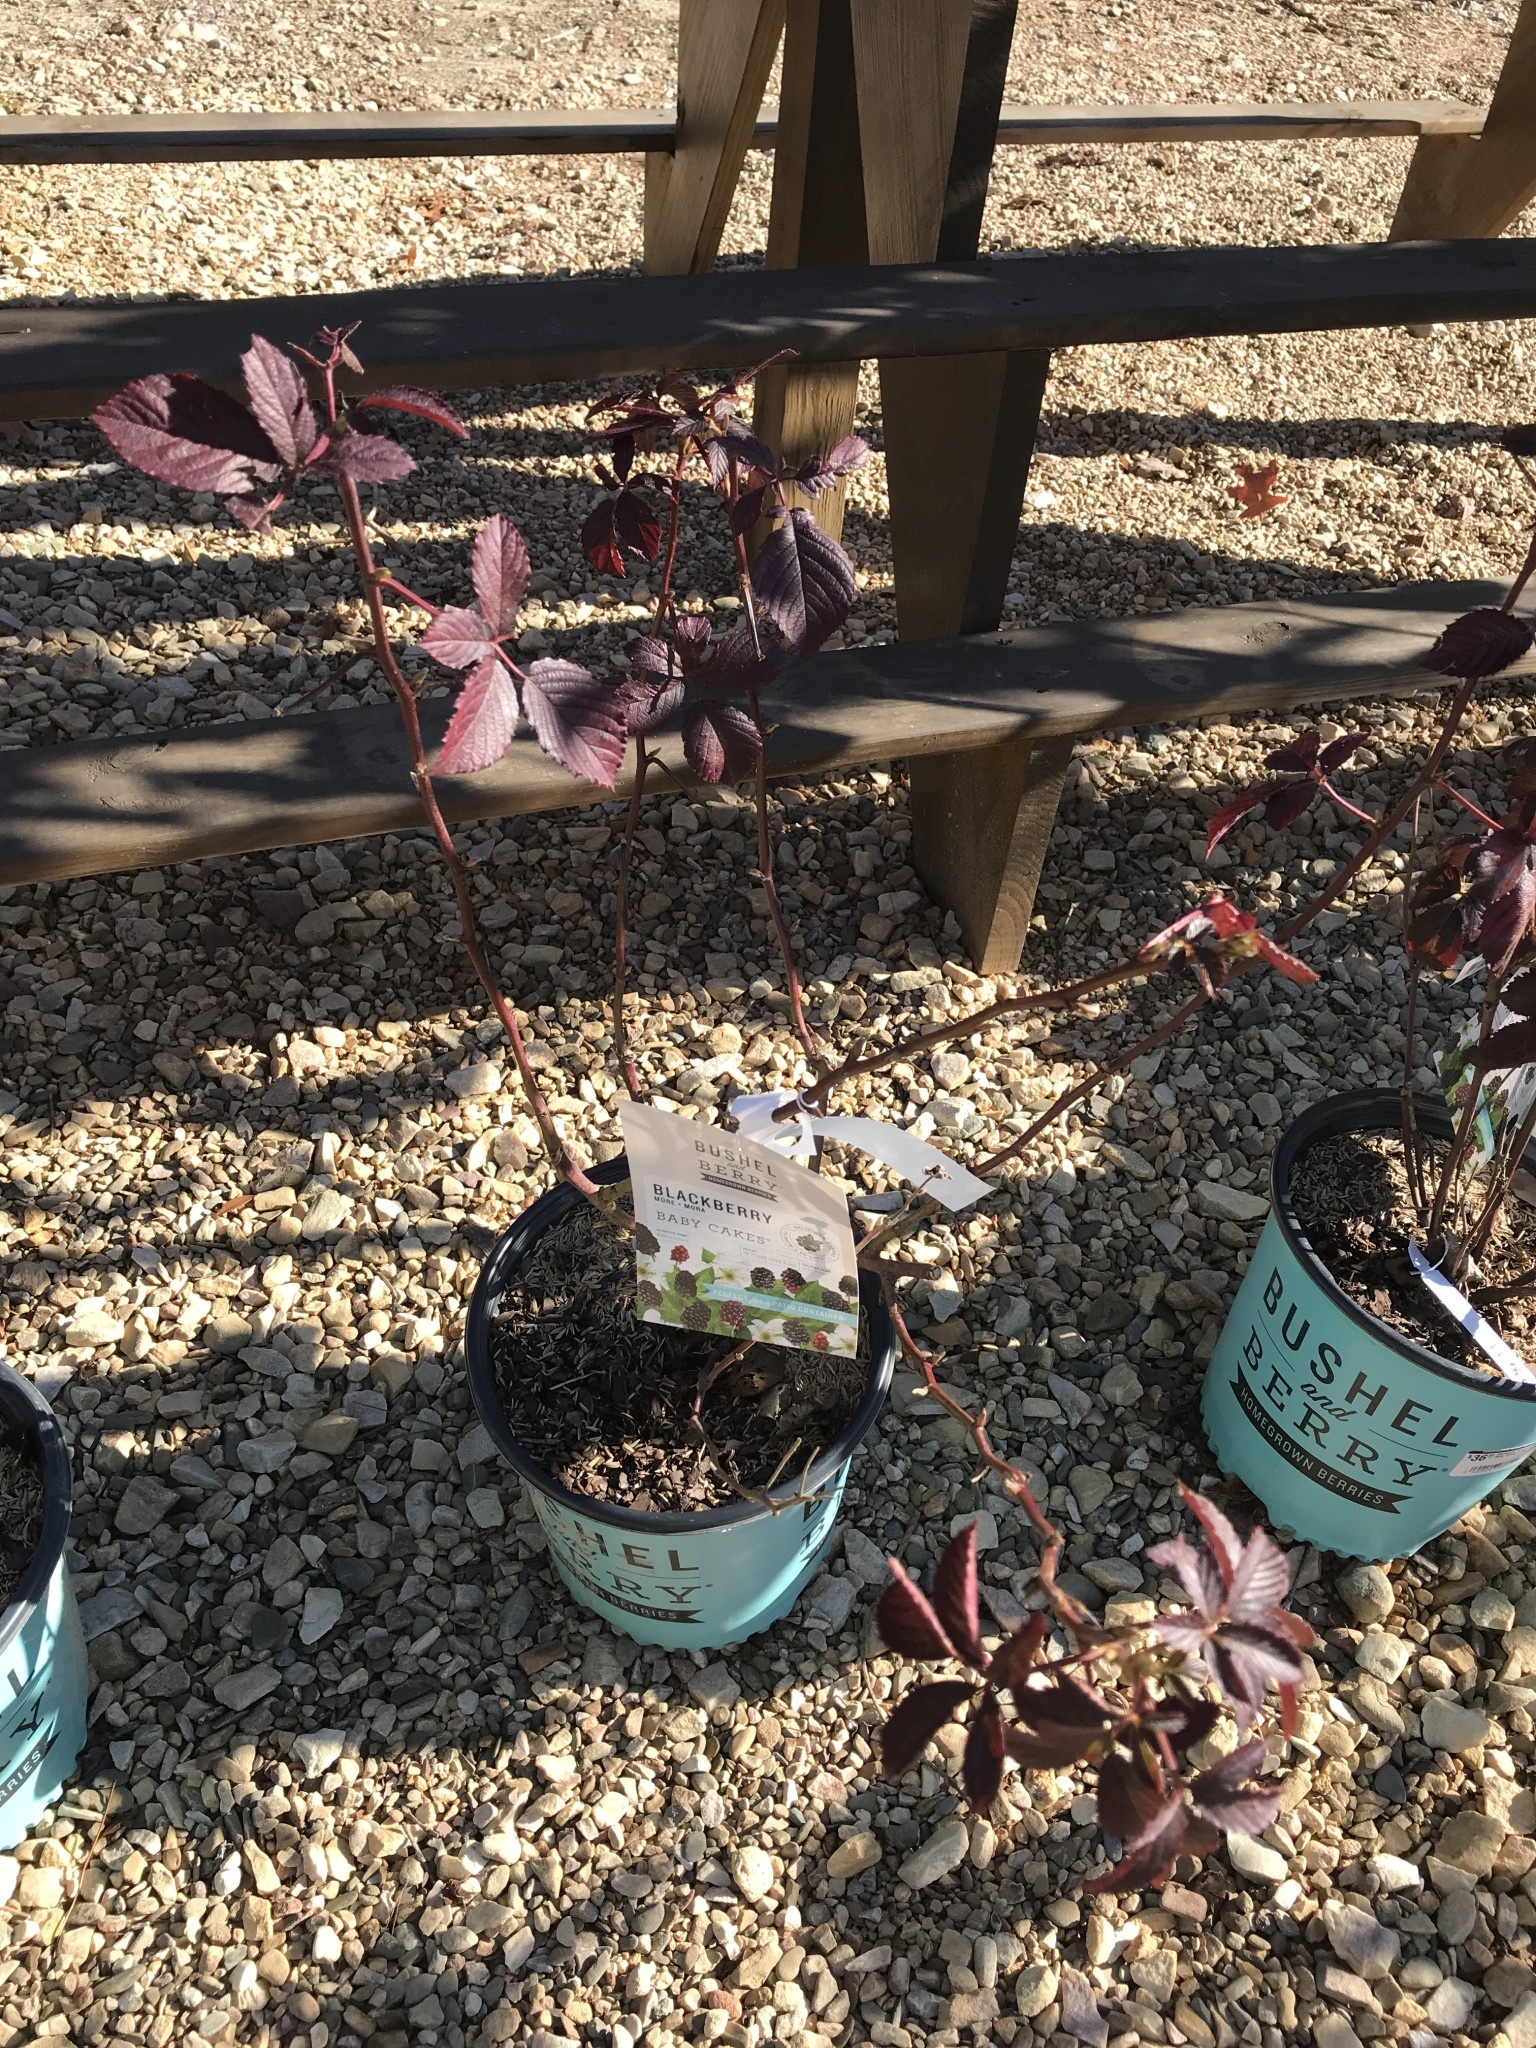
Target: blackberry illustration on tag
737 1240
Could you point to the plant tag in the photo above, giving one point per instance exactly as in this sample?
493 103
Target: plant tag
737 1239
932 1171
1479 1463
1477 1326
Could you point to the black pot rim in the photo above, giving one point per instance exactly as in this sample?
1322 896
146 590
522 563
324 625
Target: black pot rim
1368 1109
509 1251
24 1408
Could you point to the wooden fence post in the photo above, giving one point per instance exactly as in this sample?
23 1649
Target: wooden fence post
725 50
816 223
1461 186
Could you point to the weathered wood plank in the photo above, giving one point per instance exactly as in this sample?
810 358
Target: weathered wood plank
58 361
276 137
725 50
1457 187
100 806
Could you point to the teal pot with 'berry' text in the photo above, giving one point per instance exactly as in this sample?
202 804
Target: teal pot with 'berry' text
683 1581
43 1682
1353 1436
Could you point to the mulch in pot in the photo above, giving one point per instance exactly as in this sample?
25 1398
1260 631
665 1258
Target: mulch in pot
21 1509
605 1403
1351 1197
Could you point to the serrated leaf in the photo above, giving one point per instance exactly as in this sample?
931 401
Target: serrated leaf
499 570
280 401
819 472
636 526
1195 1570
188 434
1149 1858
912 1724
803 581
425 405
1480 643
721 741
1130 1793
1235 809
1226 1547
981 1766
1224 1796
956 1598
600 539
484 721
457 638
576 720
1260 1580
366 458
906 1621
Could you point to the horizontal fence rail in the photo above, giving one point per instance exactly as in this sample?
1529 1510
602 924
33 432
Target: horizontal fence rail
58 361
259 137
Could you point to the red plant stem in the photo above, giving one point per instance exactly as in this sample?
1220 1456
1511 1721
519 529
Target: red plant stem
1466 803
1068 994
469 932
1169 1028
1344 803
388 582
803 1031
1387 825
1052 1542
627 1069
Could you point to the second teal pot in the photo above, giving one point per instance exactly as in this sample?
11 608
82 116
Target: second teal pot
1353 1436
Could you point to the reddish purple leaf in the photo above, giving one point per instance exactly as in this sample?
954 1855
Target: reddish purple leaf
1512 1045
648 701
1338 751
1014 1662
1299 757
366 458
1246 1661
600 541
722 742
280 400
804 581
499 570
819 472
1226 1798
636 526
1131 1793
955 1597
748 509
1234 810
913 1724
1195 1570
741 663
484 720
425 405
576 720
457 638
1185 1721
1150 1856
186 433
982 1765
1223 1539
1480 643
1285 806
1260 1581
907 1624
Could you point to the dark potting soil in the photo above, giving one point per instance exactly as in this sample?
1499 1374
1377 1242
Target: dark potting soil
1351 1197
21 1510
605 1402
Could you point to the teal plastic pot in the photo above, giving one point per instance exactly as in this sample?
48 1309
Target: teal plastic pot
43 1679
684 1581
1353 1436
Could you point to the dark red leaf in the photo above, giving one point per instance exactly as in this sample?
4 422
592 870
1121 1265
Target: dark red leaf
484 721
721 741
600 540
1131 1792
1299 758
907 1623
499 569
1246 1660
982 1766
576 720
1254 490
1235 809
425 405
819 472
748 509
648 701
741 663
280 401
1286 804
691 634
1512 1045
1051 1747
1226 1798
1013 1663
366 458
1260 1580
458 638
1185 1721
186 433
1283 962
1226 1546
1150 1856
804 581
1195 1570
955 1597
1519 440
1519 993
1338 751
654 656
1480 643
912 1725
636 526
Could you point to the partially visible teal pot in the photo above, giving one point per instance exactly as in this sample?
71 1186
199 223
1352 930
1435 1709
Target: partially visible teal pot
1353 1436
43 1680
683 1581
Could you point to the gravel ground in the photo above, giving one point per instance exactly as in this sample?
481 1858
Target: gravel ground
360 1771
